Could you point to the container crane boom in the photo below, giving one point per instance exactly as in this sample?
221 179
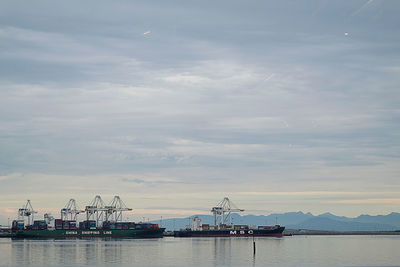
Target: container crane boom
115 209
70 211
223 210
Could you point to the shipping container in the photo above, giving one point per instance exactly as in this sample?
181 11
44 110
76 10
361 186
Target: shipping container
66 225
72 225
58 224
205 226
241 227
87 225
19 225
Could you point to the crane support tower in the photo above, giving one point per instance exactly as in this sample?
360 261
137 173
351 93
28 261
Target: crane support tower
26 212
70 211
95 211
115 209
223 212
99 212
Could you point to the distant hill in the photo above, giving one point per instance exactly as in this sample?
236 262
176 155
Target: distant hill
300 220
327 224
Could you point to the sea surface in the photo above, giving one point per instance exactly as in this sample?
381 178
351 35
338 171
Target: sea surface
169 251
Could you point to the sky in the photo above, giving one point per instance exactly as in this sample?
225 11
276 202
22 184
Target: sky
279 105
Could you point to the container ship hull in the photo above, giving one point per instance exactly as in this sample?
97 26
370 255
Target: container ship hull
131 233
276 232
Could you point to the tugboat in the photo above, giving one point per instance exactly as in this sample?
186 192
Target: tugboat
222 214
101 221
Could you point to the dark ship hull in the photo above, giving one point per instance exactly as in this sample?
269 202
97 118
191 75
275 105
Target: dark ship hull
276 231
129 233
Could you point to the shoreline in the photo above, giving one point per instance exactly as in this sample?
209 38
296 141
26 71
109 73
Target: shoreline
291 232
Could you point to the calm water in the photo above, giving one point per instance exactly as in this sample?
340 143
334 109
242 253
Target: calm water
286 251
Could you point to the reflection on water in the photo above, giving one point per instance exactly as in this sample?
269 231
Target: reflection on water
287 251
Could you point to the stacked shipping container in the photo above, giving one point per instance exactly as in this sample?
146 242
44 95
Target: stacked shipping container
66 225
18 225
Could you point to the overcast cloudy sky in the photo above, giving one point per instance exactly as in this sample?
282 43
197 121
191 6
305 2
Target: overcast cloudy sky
280 105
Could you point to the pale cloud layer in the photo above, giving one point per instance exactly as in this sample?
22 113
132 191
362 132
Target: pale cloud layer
281 105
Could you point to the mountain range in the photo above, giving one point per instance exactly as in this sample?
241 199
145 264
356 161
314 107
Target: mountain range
300 220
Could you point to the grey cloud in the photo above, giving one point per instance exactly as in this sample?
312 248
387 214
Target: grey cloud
83 91
134 180
152 182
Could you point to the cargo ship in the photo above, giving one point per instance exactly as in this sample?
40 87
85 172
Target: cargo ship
276 231
223 225
101 221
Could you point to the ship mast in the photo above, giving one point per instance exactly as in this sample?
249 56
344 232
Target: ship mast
223 211
26 211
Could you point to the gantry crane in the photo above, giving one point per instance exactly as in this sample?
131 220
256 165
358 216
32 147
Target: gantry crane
95 210
26 211
100 212
70 211
223 211
115 209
